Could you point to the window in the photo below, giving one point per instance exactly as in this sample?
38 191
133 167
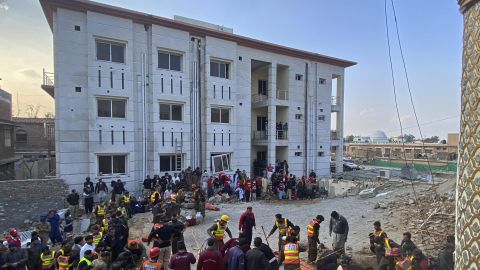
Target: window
298 116
169 60
50 131
262 87
8 137
171 112
298 77
21 136
167 163
220 115
219 69
321 154
321 117
322 81
261 123
298 154
112 164
110 51
114 108
221 162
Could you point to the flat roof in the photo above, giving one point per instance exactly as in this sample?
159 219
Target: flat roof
49 6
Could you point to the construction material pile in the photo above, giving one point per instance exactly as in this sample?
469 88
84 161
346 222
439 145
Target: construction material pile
430 218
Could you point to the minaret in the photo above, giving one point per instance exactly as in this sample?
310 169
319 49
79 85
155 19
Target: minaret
467 227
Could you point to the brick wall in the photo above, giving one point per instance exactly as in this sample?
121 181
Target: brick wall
29 199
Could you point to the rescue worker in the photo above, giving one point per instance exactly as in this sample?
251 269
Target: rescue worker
47 257
152 263
178 229
44 230
282 224
13 236
155 197
127 203
313 230
218 229
86 262
199 199
97 234
65 258
105 222
100 211
290 255
386 250
377 232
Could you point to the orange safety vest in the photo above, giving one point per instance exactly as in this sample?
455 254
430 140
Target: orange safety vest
292 254
47 260
219 233
405 264
282 228
310 228
377 233
148 265
63 262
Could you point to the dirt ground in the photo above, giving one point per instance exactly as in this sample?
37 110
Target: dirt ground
360 214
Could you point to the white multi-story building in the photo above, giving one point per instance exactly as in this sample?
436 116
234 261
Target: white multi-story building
138 94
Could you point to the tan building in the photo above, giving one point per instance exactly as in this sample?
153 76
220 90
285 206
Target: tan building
366 152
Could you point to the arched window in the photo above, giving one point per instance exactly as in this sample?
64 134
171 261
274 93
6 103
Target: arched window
21 136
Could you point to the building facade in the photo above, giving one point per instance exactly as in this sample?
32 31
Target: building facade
7 142
138 94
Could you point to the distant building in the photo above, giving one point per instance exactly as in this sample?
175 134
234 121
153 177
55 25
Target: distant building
34 147
7 142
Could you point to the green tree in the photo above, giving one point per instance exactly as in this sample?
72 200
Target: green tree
408 138
349 138
433 139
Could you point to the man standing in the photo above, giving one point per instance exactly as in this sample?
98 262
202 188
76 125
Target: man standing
89 245
199 199
313 229
377 232
267 251
177 237
210 258
101 190
236 256
161 236
54 219
246 223
16 258
73 201
291 254
183 259
44 229
256 258
282 224
339 227
118 191
147 186
218 229
88 196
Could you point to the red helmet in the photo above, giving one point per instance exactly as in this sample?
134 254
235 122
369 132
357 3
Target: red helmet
154 252
194 186
13 232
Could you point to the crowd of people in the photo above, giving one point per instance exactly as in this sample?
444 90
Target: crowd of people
107 243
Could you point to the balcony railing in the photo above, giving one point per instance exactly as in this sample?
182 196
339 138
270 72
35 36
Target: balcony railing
48 78
334 135
259 98
336 104
259 134
282 135
282 94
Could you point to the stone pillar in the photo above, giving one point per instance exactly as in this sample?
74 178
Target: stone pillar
272 114
467 227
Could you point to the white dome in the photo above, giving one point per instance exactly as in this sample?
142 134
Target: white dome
379 137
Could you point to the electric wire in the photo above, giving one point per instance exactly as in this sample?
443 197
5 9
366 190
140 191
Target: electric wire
395 98
410 92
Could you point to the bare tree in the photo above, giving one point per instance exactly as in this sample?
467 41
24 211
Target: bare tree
32 110
49 115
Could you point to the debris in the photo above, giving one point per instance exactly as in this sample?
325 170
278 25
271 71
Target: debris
376 206
368 193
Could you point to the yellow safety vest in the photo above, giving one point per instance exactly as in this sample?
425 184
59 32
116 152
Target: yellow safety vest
126 199
121 210
292 254
97 238
219 233
310 228
47 260
84 259
388 248
100 210
152 197
105 225
282 228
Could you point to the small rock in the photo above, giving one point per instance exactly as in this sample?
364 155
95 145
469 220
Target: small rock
27 221
411 201
376 206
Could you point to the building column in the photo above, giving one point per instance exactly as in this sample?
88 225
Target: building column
339 125
467 226
272 114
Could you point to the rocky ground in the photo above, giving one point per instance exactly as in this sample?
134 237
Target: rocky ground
428 217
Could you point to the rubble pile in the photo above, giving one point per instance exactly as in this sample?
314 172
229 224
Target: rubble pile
430 218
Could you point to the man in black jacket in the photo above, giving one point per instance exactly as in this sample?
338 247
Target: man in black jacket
255 258
267 251
73 202
339 227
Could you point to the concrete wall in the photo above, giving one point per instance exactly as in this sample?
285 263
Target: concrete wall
29 199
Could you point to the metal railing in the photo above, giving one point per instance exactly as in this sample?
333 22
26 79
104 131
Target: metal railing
259 135
259 98
282 94
282 135
48 78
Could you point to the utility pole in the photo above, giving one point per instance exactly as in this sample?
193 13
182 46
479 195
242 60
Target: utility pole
467 226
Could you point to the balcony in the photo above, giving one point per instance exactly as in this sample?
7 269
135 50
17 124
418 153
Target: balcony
259 135
282 94
336 104
282 135
334 137
48 83
256 98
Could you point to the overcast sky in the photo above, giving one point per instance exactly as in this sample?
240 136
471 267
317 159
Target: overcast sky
431 33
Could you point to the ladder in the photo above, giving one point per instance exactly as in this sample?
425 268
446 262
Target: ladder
178 155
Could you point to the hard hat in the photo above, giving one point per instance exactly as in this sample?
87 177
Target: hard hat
154 252
225 218
194 186
13 232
